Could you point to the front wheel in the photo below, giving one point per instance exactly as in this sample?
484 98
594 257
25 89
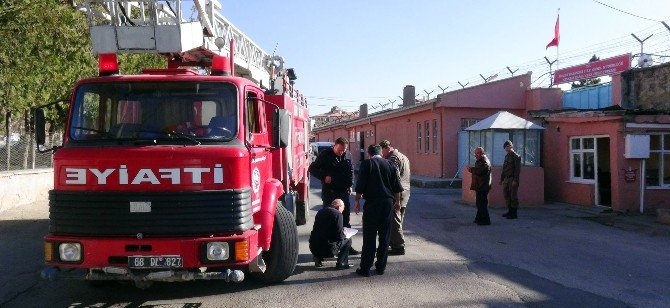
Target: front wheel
282 257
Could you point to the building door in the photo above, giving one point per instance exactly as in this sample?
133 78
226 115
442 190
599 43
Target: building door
604 174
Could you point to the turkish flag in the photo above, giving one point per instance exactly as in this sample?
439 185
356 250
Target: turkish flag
557 36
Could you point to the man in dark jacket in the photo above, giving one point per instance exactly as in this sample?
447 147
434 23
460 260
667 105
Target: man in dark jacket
509 178
379 184
327 238
481 184
336 173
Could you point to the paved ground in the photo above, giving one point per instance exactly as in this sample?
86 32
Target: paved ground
553 256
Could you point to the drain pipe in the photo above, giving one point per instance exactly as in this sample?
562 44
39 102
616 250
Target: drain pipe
642 179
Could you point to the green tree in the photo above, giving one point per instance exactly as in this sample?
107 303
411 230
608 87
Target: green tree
587 82
45 49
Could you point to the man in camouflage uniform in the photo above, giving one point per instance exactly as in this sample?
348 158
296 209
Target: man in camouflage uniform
509 178
402 166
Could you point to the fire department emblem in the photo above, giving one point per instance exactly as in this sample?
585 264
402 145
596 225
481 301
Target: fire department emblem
256 180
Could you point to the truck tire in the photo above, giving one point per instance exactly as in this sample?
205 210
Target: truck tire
282 257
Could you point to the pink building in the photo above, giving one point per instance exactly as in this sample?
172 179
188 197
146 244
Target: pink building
617 156
432 134
613 152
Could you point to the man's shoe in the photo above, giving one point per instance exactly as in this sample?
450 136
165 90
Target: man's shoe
397 252
363 273
353 252
318 262
512 214
343 266
379 272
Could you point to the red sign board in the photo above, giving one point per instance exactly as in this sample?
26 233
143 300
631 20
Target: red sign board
599 68
629 175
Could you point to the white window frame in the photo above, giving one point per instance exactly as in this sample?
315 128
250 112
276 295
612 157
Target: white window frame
581 151
665 150
418 137
581 180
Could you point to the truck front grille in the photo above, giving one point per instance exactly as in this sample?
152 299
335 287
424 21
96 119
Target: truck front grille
171 213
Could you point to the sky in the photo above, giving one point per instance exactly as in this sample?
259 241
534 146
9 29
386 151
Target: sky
347 53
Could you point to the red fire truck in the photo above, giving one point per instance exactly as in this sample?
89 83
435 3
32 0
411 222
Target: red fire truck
174 175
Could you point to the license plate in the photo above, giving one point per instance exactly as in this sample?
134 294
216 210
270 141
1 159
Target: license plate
154 261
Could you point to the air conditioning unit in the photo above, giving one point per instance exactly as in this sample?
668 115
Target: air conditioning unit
637 146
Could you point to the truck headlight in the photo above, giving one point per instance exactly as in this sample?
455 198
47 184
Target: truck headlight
69 252
217 251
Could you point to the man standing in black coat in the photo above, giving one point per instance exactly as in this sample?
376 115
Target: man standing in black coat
327 238
336 173
379 184
481 184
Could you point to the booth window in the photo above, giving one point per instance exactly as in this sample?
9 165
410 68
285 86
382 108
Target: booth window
657 168
582 159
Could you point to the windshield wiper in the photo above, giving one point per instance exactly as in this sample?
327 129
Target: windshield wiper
183 136
171 134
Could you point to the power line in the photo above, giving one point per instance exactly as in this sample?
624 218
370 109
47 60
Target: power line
622 11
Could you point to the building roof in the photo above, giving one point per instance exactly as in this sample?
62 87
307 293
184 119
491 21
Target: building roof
503 120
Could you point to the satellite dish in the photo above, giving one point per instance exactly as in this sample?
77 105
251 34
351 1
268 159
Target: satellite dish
645 60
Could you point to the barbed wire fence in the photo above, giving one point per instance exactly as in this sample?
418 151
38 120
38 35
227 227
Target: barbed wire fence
18 150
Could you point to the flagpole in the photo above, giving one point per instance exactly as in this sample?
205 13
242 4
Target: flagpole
557 43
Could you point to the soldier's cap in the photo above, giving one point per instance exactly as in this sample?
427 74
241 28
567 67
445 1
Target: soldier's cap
385 144
508 143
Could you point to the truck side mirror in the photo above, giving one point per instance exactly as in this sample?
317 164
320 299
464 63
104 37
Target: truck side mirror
280 128
40 128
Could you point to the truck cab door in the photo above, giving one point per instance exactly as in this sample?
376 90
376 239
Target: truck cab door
256 134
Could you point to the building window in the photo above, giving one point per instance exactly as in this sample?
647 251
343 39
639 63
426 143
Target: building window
434 136
582 159
418 137
427 141
657 168
465 123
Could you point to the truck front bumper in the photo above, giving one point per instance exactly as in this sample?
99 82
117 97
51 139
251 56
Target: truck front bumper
124 274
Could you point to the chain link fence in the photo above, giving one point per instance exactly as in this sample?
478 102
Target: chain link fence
19 152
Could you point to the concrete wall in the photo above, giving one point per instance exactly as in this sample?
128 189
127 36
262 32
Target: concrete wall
543 98
647 88
19 188
531 187
402 132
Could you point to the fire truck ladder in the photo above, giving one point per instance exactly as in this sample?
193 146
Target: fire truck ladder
169 27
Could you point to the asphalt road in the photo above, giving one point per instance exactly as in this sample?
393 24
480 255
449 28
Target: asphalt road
549 257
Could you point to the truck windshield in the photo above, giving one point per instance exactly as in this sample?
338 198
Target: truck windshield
167 111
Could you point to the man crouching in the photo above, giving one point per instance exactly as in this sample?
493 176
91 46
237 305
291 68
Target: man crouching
327 239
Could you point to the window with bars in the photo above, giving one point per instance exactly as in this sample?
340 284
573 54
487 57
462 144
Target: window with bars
427 141
418 137
434 136
465 123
